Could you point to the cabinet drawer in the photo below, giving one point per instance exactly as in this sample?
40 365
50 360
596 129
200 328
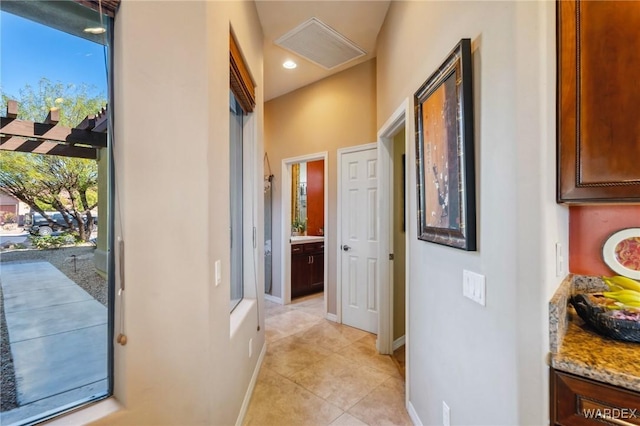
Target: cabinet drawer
297 248
314 247
579 401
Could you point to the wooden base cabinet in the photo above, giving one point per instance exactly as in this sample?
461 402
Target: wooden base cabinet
579 401
307 269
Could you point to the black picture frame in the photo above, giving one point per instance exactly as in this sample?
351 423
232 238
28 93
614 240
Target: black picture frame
445 153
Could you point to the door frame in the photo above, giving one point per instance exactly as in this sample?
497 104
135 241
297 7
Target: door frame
285 230
389 129
341 152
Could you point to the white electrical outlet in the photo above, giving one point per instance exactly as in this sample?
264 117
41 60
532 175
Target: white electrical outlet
250 347
474 287
446 414
218 272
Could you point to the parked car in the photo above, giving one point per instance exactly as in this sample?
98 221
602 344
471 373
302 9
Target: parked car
36 224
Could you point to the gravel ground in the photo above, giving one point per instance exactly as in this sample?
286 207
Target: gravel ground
7 374
82 272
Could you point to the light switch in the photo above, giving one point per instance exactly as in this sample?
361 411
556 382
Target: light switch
559 260
474 287
218 272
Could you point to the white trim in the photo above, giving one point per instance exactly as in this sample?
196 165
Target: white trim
413 414
332 317
385 158
252 385
341 151
396 121
285 234
357 148
399 342
273 299
240 314
82 415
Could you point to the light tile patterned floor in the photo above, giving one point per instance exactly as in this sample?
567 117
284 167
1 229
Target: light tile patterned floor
317 372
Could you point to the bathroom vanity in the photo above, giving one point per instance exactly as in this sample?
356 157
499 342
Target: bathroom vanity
307 265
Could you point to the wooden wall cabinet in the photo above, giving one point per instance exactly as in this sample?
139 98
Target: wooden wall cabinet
598 101
307 268
579 401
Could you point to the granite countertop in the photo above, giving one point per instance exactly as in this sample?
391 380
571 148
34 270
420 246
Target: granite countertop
577 349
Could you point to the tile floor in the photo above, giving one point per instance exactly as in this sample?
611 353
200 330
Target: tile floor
317 372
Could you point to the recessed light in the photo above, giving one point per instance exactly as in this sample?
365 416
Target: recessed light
289 65
95 30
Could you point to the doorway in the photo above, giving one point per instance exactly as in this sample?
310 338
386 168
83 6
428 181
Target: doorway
304 223
396 152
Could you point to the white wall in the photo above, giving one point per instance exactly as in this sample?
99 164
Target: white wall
488 364
180 365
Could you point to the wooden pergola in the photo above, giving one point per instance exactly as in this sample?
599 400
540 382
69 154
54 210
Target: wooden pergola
50 138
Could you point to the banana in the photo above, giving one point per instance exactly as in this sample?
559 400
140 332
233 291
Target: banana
624 282
611 285
628 297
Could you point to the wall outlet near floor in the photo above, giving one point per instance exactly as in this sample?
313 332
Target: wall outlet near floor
474 287
446 414
250 347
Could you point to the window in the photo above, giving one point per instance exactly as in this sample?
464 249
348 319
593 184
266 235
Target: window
57 325
241 102
236 116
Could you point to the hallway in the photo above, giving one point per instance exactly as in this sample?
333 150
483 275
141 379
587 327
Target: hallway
317 372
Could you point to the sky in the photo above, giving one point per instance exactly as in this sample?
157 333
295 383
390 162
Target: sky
30 51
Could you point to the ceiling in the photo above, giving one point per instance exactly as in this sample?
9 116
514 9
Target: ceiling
358 21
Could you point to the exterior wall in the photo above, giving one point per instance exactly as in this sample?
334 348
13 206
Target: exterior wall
589 228
186 361
333 113
488 364
8 204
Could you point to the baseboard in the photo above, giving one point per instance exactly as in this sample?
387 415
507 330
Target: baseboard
273 299
412 413
398 342
332 317
252 385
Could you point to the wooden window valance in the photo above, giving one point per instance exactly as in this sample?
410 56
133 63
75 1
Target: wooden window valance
240 80
109 7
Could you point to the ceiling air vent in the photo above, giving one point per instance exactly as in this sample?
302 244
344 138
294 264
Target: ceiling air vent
316 41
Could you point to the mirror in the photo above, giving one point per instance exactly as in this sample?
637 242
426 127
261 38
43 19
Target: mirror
307 198
299 199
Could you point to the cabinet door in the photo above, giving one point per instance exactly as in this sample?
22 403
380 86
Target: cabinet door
578 401
316 277
598 98
299 274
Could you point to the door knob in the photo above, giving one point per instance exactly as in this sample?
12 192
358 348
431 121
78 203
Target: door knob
346 247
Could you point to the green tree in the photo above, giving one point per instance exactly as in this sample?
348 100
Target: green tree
48 182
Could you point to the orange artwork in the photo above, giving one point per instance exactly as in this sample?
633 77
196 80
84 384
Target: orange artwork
445 157
441 156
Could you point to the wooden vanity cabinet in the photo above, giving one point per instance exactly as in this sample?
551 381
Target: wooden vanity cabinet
307 268
598 97
579 401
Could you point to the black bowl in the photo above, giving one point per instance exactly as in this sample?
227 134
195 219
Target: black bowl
602 321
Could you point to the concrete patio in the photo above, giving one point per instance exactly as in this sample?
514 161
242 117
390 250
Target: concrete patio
58 338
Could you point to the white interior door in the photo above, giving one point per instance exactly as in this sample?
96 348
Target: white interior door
359 239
